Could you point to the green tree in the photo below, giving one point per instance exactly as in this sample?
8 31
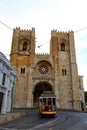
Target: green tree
85 93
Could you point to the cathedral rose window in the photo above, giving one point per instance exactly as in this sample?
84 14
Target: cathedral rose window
43 69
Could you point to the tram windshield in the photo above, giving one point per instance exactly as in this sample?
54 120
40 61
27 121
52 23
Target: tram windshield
44 101
54 101
48 101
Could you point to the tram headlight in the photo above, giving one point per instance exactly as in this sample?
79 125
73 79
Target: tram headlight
49 110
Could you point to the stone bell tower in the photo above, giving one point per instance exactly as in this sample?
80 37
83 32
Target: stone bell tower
22 56
62 51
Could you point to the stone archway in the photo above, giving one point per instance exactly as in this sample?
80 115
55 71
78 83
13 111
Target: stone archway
39 88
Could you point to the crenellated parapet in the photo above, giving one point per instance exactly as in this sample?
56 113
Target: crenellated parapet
42 54
25 31
18 28
54 32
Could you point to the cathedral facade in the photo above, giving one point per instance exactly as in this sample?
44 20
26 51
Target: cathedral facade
36 73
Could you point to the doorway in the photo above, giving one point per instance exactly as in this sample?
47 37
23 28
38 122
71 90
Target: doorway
1 98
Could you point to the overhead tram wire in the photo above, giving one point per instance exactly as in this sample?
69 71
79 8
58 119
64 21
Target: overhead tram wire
42 44
39 46
74 32
80 29
6 25
9 29
46 42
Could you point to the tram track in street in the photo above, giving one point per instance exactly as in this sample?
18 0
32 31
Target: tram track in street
33 121
63 122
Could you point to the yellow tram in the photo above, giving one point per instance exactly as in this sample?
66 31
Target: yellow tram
47 103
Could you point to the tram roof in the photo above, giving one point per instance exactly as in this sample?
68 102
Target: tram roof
48 94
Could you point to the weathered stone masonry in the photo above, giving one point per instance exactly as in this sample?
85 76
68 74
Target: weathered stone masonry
56 71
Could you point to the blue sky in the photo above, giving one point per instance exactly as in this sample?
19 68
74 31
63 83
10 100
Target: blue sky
46 15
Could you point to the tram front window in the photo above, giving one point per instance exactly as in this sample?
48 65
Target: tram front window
44 101
54 101
49 101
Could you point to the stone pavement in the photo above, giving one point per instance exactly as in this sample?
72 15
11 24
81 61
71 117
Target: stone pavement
10 116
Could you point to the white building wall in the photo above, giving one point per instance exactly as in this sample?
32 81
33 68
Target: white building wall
6 88
0 77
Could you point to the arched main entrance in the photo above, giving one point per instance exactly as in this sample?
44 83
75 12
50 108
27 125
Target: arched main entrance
39 88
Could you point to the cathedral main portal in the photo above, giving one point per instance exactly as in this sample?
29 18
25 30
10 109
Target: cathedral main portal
38 90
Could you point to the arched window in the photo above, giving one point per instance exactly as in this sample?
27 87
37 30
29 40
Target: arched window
62 47
25 46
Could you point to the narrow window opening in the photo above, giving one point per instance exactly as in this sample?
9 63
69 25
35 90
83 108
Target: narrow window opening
3 79
22 70
25 46
62 47
63 72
